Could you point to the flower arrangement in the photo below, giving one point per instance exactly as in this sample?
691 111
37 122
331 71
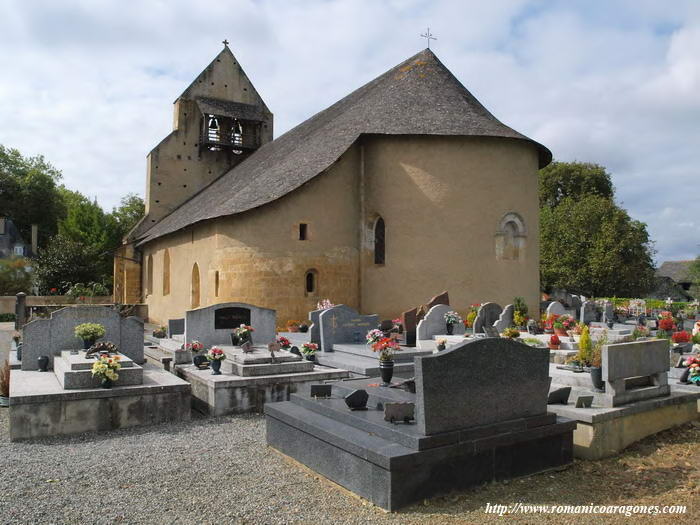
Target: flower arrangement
666 324
194 346
309 348
284 343
293 326
452 317
216 354
519 318
640 331
324 304
567 322
554 341
243 331
89 331
106 367
471 315
511 332
441 343
694 375
160 332
386 348
374 335
681 337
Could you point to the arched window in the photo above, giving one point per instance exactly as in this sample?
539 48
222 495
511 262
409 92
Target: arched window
149 276
310 282
510 238
194 303
166 272
379 241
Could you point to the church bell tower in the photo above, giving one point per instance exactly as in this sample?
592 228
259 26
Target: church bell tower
219 120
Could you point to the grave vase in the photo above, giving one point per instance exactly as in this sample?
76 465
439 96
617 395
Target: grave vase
106 383
87 343
235 340
386 370
450 328
560 331
310 357
597 378
215 367
43 363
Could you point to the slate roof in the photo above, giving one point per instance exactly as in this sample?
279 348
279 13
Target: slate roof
420 96
676 270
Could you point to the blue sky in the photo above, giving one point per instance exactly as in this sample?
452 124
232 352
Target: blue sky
90 84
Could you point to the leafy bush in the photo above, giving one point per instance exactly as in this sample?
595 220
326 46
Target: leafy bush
15 276
519 305
532 341
89 331
5 379
585 347
511 332
8 318
90 290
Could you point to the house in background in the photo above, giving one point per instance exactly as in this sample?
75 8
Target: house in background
674 281
11 242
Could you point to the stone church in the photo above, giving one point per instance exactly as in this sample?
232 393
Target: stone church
406 187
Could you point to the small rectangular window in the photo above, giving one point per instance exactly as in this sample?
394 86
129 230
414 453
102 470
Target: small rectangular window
302 231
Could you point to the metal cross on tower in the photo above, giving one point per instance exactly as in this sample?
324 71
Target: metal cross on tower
225 42
428 36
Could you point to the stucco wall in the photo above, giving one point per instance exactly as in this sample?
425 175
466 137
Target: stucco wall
259 257
442 199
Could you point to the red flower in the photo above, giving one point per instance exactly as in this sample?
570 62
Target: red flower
666 324
681 337
554 340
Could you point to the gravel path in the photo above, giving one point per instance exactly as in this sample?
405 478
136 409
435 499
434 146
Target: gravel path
220 471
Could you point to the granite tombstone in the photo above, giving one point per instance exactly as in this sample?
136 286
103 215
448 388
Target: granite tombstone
212 325
505 320
434 323
342 324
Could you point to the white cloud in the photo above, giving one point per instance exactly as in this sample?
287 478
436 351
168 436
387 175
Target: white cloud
90 84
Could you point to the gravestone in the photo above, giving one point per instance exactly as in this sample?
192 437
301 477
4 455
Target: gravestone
555 308
575 303
434 323
622 361
505 320
608 312
488 314
588 312
466 387
20 310
213 325
443 298
176 327
315 328
491 331
410 323
342 324
50 336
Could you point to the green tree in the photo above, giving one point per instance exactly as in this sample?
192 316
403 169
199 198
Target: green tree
561 180
591 246
130 211
65 262
15 276
29 194
694 272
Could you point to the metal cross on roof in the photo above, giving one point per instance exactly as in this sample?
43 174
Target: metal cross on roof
225 42
428 36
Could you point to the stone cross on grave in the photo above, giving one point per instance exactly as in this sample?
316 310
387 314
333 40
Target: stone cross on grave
334 323
428 36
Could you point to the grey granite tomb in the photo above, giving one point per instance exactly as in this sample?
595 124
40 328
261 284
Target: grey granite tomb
213 325
488 314
434 323
342 324
588 312
315 328
176 327
51 336
505 320
474 424
623 361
